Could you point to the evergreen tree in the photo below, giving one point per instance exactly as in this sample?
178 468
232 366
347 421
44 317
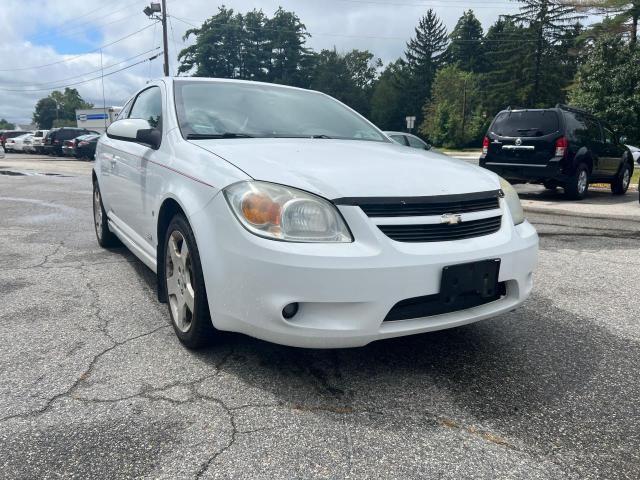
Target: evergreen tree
548 21
622 17
425 55
466 49
507 81
391 102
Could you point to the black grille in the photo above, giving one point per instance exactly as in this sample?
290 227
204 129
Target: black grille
442 232
425 206
431 305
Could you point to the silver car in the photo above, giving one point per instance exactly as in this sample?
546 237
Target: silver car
408 140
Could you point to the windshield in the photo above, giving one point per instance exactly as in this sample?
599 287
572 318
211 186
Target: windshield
236 110
533 123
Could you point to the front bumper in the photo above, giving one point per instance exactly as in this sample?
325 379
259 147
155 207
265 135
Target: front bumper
345 291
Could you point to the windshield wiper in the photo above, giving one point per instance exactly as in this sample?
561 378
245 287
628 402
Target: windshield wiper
212 136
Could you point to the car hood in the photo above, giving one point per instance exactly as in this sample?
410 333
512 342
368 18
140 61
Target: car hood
351 168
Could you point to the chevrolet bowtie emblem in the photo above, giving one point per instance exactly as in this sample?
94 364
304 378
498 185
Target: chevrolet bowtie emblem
451 219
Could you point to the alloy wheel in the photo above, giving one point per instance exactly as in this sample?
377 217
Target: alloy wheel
626 179
179 280
582 181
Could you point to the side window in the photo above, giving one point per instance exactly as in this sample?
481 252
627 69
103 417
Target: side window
148 106
595 134
416 142
576 127
609 137
399 139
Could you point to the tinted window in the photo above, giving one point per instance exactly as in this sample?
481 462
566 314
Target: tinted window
216 108
416 143
609 137
593 129
534 123
148 106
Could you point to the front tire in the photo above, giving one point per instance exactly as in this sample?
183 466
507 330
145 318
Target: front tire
106 238
621 183
577 185
184 286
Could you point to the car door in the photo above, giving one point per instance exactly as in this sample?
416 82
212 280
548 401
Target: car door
131 168
594 141
613 152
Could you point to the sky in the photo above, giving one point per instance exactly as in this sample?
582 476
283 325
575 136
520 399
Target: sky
54 43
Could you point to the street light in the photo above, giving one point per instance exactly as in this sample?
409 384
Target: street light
151 11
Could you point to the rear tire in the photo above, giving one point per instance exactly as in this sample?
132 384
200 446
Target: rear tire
577 185
106 239
183 284
621 183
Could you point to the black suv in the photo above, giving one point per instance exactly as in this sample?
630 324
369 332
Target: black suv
557 147
54 140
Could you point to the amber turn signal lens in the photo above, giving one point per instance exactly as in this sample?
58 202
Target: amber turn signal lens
260 209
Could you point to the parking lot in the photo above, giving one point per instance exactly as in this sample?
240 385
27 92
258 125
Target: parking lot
94 383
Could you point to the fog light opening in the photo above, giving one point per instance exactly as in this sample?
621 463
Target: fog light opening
290 311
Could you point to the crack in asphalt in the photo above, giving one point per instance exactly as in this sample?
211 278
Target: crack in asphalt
83 377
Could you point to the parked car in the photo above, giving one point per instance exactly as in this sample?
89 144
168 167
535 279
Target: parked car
54 141
86 146
635 153
38 140
1 152
18 143
289 217
7 134
408 140
557 147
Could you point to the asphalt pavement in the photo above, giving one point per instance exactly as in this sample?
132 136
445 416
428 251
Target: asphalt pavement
94 383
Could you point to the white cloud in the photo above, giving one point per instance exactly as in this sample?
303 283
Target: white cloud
344 24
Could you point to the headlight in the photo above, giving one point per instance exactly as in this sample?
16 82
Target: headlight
284 213
513 202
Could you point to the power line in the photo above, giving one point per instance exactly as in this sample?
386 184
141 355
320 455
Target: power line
84 81
79 55
53 82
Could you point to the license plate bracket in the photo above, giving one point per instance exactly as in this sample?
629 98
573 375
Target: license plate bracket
470 282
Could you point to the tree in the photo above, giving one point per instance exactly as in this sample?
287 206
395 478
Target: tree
425 54
454 117
622 17
390 102
466 49
6 125
249 47
60 106
608 85
548 21
349 78
506 81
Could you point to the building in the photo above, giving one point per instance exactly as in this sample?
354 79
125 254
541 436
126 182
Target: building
97 119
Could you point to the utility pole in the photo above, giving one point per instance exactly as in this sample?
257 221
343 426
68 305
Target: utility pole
151 11
464 105
164 38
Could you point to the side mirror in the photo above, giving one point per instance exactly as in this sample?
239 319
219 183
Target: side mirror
135 130
623 140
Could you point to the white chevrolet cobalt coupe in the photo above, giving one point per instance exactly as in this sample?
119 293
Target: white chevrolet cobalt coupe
282 214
